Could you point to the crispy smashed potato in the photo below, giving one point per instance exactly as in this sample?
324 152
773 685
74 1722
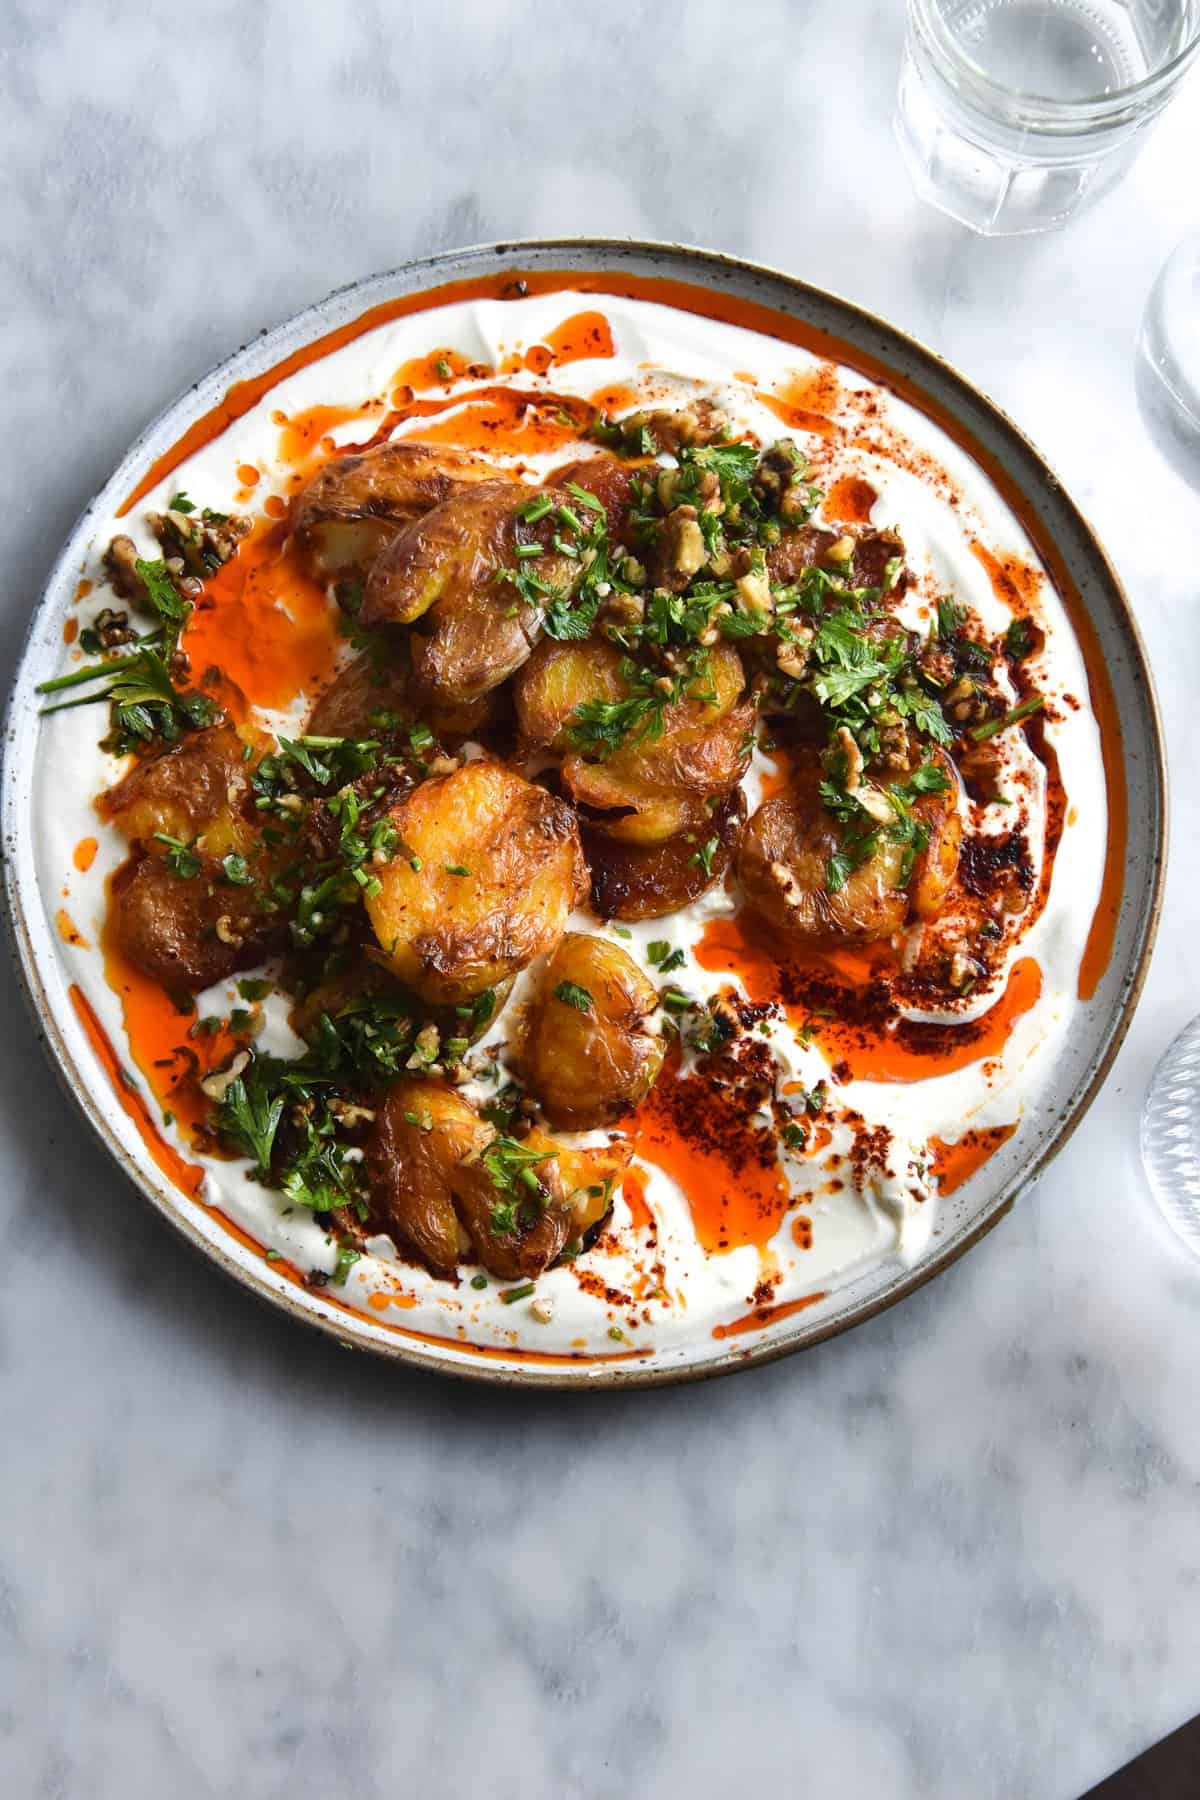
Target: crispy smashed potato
609 480
448 1187
647 790
782 864
937 864
499 868
587 1053
650 881
195 789
375 688
175 913
447 571
792 844
184 933
355 505
425 1145
557 678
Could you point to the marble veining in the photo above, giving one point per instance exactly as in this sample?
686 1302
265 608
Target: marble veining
952 1554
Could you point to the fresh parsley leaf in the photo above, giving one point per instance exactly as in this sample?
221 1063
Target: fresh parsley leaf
236 869
249 1114
181 858
1018 639
571 994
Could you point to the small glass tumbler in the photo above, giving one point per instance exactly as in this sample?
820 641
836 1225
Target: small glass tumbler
1168 364
1013 114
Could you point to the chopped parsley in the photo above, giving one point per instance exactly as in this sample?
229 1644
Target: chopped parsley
181 858
571 994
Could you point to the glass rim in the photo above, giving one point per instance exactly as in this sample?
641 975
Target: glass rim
925 17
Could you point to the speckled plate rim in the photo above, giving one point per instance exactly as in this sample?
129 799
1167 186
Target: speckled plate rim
1104 1020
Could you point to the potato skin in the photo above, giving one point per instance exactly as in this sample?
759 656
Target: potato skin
374 684
450 936
649 881
413 1173
589 1068
431 1191
810 544
937 865
200 784
782 862
355 505
168 927
646 791
610 481
444 570
785 850
558 677
578 1188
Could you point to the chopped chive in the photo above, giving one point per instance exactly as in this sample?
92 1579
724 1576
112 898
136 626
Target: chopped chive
456 869
533 510
979 733
527 551
517 1293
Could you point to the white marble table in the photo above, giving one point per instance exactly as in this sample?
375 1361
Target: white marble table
953 1554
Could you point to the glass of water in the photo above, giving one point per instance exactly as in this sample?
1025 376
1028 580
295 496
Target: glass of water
1013 114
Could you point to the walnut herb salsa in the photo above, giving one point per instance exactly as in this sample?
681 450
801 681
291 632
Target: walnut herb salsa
552 700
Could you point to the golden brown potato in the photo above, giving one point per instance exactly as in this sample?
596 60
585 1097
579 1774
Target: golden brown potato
499 870
576 1192
648 881
609 480
785 856
558 677
375 686
446 571
446 1185
416 1158
586 1053
783 863
198 786
647 789
185 933
355 505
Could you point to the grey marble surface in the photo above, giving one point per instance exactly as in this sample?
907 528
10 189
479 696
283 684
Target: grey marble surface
953 1554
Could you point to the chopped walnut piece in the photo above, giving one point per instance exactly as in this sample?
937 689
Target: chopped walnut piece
682 543
203 540
120 566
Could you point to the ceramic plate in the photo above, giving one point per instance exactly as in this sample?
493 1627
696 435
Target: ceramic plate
1077 562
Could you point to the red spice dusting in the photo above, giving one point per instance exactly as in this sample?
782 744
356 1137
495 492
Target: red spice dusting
726 1165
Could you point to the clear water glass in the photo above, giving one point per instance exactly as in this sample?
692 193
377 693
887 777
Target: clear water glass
1013 114
1168 361
1171 1135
